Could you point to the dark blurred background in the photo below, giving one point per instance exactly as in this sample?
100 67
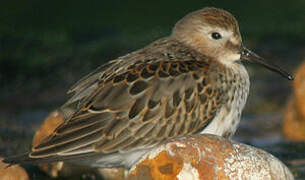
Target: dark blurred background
46 46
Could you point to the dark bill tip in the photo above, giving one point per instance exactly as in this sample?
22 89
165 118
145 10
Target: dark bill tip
290 77
248 55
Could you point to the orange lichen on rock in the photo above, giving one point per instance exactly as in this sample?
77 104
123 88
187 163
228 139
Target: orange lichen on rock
12 173
163 166
205 157
294 118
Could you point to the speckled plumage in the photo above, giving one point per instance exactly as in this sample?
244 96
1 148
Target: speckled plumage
183 84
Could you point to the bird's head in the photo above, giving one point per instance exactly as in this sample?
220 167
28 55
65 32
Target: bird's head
215 33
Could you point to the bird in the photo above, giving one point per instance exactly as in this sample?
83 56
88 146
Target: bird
192 81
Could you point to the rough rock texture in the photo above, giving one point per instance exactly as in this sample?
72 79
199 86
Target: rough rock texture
12 173
208 157
294 119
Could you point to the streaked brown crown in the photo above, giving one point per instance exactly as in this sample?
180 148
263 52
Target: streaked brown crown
192 28
208 16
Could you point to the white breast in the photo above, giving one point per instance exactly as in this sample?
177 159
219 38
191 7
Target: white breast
227 119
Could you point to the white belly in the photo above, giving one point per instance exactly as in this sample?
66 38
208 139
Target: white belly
225 123
227 119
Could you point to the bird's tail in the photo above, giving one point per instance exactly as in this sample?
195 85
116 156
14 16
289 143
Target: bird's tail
18 159
26 158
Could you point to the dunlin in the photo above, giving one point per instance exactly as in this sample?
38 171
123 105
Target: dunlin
192 81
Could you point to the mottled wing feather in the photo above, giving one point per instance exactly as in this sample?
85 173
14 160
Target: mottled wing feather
86 85
139 107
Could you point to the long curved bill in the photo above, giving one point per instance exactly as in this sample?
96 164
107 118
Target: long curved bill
248 55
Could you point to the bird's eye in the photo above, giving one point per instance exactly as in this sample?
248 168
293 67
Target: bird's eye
216 35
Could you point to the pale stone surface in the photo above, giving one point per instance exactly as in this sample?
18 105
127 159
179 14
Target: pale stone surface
12 173
208 157
112 173
188 172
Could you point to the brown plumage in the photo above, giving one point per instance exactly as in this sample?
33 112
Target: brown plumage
190 82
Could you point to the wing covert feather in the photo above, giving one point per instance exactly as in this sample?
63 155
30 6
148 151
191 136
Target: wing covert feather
141 106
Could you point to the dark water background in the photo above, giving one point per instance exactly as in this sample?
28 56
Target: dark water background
46 46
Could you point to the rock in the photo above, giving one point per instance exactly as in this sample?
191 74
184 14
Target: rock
206 157
294 117
112 173
53 120
299 90
294 123
12 173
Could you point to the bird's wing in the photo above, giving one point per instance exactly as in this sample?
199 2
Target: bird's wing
136 108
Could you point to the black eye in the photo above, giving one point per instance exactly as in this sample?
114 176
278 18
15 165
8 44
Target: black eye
216 35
